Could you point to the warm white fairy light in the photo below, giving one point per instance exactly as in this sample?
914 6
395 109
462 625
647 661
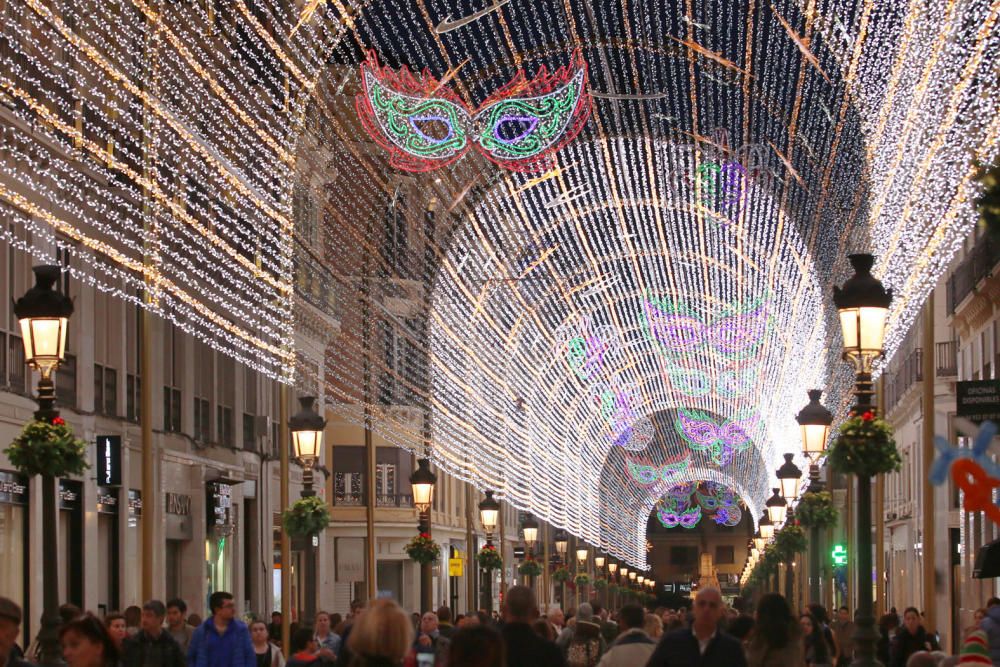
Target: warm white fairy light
251 133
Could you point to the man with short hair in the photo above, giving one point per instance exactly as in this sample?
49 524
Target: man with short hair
525 648
556 619
10 628
633 646
152 646
222 640
430 640
609 630
703 645
445 626
843 631
177 624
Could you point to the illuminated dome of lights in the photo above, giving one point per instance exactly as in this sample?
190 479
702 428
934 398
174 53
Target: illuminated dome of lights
579 253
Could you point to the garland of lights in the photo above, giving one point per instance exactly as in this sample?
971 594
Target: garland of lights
258 182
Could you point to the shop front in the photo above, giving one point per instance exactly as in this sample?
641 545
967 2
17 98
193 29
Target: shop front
71 541
219 536
108 549
14 543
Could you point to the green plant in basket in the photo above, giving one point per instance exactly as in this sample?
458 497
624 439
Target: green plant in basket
423 549
561 574
44 448
789 541
816 509
864 446
306 516
600 583
489 558
613 588
530 568
581 580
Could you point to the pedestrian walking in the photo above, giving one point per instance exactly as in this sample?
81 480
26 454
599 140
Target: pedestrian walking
633 646
524 647
430 647
775 640
305 649
114 623
585 644
843 632
327 641
222 640
10 628
177 624
380 636
477 646
816 646
912 637
268 654
86 643
703 644
152 646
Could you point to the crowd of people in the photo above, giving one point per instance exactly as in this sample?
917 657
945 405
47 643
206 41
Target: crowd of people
382 634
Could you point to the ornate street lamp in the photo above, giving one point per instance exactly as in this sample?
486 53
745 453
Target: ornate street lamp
489 513
307 440
641 579
612 567
777 507
814 421
581 556
530 528
562 543
632 575
759 542
599 561
44 316
863 304
790 478
422 482
766 527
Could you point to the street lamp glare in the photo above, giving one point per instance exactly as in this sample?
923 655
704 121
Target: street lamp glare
562 542
530 528
814 421
489 512
422 481
44 315
863 304
777 507
790 478
307 432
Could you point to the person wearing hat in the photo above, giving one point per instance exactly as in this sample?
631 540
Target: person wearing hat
10 628
975 649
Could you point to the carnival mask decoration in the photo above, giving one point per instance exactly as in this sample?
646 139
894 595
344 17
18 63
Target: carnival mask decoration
425 125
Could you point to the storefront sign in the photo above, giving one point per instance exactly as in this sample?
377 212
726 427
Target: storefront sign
518 552
455 567
178 504
70 494
350 559
220 500
134 507
107 500
978 400
13 488
109 460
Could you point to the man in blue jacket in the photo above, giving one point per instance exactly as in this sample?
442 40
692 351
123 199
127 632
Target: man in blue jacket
222 640
703 645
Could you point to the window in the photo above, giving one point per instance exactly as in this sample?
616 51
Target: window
204 372
105 390
249 432
224 422
385 484
171 410
685 555
66 382
725 555
202 420
133 397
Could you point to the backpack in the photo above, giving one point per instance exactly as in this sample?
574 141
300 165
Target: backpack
584 653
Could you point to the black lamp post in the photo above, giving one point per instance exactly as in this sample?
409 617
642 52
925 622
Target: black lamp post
530 529
307 444
561 540
422 482
44 316
777 507
790 478
863 304
814 421
489 514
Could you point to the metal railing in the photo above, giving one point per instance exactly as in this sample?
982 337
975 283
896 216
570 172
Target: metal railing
403 500
909 373
977 265
946 357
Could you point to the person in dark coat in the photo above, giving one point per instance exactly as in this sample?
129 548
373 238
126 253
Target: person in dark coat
524 647
152 646
10 628
703 645
910 638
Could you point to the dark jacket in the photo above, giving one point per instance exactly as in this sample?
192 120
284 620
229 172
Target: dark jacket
526 649
680 649
904 645
588 635
232 648
141 650
991 626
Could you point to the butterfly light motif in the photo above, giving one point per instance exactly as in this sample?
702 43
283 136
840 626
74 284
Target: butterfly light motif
704 434
647 474
424 125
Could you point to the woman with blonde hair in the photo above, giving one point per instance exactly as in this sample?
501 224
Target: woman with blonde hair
381 636
653 626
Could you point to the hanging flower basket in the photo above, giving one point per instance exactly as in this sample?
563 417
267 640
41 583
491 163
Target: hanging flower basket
865 447
582 580
600 583
769 560
306 516
489 558
789 541
560 575
815 509
613 588
44 448
530 568
423 549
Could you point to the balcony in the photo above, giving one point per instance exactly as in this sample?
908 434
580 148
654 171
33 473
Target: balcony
977 265
946 358
396 500
908 374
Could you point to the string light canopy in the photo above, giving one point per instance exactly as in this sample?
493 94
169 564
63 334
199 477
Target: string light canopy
208 162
